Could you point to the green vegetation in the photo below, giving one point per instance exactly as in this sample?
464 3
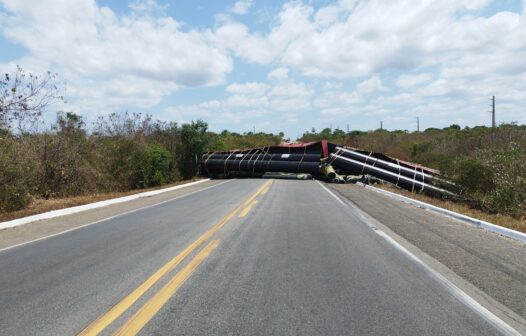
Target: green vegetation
489 167
122 152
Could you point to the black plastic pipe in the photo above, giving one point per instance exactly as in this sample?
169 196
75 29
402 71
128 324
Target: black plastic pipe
391 177
214 166
414 174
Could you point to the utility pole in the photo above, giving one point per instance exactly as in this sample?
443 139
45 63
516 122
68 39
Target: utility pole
347 128
418 124
493 123
254 129
381 125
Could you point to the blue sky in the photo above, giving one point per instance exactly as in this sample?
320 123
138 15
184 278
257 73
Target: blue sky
278 66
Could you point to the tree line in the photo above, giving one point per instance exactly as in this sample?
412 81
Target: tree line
121 152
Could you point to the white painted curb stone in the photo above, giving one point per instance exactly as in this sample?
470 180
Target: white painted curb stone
516 235
80 208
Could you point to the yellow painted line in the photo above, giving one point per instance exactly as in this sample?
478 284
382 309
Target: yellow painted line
107 318
247 209
150 308
265 190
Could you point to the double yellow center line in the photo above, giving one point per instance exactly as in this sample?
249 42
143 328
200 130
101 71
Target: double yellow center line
146 313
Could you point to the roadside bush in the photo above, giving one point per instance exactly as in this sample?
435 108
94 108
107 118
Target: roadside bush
474 177
14 193
153 167
16 175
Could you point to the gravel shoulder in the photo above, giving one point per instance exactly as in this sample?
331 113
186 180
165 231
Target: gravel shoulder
494 264
35 230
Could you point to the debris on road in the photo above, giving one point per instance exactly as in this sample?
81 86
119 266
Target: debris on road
326 161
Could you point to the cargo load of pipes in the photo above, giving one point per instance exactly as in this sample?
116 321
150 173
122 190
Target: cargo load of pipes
417 178
323 160
257 163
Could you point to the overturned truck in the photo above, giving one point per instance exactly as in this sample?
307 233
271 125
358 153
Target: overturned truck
323 160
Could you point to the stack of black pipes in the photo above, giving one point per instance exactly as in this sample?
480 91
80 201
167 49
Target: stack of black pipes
410 178
258 162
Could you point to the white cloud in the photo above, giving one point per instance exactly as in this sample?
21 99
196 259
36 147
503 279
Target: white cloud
241 7
447 54
292 22
327 16
248 88
147 7
118 60
251 103
413 79
370 85
236 36
278 74
344 40
290 96
337 99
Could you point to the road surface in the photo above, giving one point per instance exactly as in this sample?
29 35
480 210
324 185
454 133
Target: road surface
244 257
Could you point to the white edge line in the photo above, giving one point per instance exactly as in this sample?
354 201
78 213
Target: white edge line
459 294
108 218
516 235
95 205
331 193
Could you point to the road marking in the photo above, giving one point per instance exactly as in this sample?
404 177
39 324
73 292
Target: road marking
247 209
150 308
458 293
260 191
265 190
107 318
91 206
109 218
332 194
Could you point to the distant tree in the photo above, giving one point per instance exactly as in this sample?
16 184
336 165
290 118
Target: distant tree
70 124
124 124
338 133
431 129
453 127
356 133
326 133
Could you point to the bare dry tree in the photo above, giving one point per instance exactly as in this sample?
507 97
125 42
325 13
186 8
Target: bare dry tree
24 96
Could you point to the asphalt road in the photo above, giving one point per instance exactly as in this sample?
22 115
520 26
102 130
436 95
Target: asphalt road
247 257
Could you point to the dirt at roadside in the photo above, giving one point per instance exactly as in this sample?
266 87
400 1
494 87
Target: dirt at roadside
518 224
42 228
494 264
38 206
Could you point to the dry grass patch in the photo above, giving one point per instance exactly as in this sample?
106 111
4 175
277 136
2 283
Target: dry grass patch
40 205
518 224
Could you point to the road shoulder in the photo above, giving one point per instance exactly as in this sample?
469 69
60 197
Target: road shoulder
493 265
41 229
